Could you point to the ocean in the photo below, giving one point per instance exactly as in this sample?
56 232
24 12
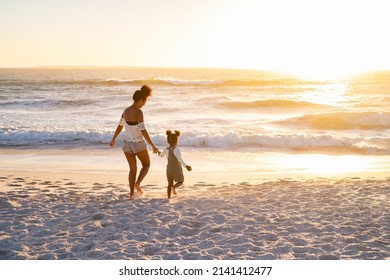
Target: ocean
248 114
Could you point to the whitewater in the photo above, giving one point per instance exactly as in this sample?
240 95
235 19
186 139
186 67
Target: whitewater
214 108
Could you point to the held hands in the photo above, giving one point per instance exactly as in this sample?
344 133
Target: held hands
189 168
155 150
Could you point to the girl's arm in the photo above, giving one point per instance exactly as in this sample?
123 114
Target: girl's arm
163 153
177 154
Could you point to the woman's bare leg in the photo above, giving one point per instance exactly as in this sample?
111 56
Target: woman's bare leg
145 161
132 173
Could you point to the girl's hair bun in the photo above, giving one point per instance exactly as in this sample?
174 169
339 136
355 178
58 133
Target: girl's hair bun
172 138
177 133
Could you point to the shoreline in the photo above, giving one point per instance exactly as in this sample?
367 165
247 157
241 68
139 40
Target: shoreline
213 166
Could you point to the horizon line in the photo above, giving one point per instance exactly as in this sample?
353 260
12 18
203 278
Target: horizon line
275 71
127 66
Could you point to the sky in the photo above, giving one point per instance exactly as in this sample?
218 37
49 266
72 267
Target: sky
319 36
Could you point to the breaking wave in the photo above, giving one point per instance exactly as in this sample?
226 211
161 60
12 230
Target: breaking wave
295 142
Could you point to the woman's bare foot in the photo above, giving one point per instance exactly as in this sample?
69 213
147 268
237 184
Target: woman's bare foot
139 190
174 191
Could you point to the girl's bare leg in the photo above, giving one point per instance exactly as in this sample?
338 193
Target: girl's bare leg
175 186
170 187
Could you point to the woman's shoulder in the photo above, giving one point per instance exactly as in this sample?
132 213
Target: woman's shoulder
126 111
131 112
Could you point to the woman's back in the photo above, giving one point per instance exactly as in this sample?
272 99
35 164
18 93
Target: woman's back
132 120
132 114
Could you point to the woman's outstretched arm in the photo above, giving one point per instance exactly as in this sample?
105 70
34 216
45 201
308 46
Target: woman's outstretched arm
117 132
141 125
147 137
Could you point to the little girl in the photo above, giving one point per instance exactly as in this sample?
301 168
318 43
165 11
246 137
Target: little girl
174 170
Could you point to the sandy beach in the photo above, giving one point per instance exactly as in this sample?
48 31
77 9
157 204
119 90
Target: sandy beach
283 167
46 215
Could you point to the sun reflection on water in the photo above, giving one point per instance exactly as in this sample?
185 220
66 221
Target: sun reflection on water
333 94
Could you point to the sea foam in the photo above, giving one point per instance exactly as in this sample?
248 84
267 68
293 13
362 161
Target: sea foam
230 140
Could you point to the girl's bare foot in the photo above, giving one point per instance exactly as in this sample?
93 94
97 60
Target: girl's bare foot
131 196
139 190
174 191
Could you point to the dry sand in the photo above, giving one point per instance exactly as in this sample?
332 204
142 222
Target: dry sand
63 216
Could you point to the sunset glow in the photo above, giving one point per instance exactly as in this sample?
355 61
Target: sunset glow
316 39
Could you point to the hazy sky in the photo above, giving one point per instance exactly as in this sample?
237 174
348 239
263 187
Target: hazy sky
323 36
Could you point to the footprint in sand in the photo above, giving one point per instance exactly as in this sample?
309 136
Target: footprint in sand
19 179
151 250
97 216
329 257
104 225
98 188
31 183
46 183
14 185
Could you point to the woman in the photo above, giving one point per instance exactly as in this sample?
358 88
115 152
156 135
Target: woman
133 141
